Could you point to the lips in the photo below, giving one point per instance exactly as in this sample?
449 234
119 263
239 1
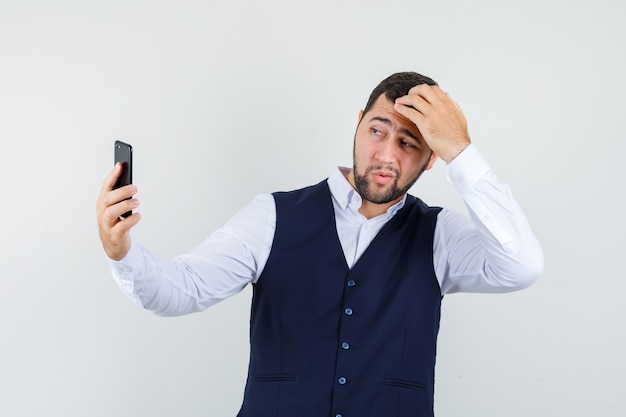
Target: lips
382 177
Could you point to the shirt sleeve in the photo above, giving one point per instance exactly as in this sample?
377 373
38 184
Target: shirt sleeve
495 250
221 266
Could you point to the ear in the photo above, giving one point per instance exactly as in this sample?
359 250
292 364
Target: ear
360 116
431 162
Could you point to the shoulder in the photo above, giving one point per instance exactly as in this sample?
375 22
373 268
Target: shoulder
302 194
418 204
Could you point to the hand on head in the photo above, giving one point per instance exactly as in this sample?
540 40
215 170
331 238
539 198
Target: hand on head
438 118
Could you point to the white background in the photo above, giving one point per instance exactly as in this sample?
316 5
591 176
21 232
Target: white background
224 100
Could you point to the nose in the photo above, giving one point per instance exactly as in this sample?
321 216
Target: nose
386 152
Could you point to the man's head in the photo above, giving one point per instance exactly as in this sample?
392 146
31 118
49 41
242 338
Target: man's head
389 151
396 86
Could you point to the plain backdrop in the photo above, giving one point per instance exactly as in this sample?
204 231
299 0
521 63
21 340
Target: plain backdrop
224 100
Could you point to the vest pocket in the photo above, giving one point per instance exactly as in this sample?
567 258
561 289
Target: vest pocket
401 383
401 398
275 378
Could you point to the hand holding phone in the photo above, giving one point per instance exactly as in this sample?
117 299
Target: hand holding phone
114 231
124 155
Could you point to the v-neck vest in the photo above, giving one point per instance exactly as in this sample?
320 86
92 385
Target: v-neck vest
330 341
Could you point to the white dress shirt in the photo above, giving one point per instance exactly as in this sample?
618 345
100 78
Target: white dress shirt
493 251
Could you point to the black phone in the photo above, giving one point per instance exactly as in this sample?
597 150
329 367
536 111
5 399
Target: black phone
124 154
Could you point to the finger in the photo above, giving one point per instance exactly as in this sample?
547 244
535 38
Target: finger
124 225
409 111
115 211
119 194
418 103
419 89
430 93
110 198
425 91
110 180
445 97
109 215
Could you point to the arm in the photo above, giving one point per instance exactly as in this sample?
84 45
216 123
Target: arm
494 252
219 267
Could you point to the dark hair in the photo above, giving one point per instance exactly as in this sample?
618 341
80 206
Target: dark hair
396 86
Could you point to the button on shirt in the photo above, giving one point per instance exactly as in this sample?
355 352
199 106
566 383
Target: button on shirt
494 250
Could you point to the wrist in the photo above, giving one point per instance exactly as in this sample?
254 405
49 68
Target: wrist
453 151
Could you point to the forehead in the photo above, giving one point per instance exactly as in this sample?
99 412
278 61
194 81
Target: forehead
383 109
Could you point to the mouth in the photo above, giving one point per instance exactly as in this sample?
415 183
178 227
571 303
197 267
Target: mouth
383 177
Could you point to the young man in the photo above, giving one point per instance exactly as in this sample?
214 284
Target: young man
349 273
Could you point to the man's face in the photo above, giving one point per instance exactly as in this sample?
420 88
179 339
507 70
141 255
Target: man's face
389 154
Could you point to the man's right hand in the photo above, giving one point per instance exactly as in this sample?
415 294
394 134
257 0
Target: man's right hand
111 204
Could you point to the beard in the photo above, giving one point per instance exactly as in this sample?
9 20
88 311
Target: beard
391 192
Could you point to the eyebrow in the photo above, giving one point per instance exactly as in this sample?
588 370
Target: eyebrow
389 123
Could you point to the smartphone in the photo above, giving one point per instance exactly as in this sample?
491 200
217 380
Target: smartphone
124 154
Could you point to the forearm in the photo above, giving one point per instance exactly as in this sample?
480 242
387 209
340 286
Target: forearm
163 286
497 251
221 266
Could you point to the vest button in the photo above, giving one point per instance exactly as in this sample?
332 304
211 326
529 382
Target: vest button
338 415
345 345
342 381
348 311
351 283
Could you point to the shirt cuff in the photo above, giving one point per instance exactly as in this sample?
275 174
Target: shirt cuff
467 168
126 272
133 257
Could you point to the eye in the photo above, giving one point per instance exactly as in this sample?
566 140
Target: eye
376 132
407 144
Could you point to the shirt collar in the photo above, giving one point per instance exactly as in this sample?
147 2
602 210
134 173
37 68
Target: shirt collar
346 196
